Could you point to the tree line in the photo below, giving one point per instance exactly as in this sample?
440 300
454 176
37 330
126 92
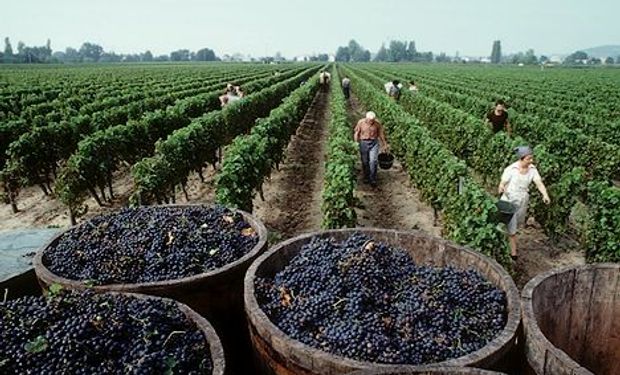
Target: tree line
92 53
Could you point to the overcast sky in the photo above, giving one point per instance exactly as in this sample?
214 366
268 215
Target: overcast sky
296 27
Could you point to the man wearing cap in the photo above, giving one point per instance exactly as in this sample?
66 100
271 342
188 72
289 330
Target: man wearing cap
369 133
514 187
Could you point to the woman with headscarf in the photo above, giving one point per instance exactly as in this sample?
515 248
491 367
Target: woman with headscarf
514 187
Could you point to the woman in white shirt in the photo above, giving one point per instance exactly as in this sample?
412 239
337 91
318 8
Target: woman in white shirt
514 187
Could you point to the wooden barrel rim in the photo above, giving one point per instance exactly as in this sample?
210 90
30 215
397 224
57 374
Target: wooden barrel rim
255 314
530 323
48 277
402 370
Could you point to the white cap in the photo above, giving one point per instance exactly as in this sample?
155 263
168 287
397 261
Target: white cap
370 115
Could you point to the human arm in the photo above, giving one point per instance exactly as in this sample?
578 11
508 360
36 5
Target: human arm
508 128
356 133
503 183
543 190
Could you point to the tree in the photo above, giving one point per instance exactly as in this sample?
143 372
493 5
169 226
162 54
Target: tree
609 60
343 54
543 59
323 57
382 54
90 52
496 52
72 55
146 56
443 58
412 53
8 49
530 58
397 51
179 55
364 56
618 59
48 48
205 54
576 57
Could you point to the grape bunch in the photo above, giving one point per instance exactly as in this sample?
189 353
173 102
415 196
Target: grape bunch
151 244
367 301
87 333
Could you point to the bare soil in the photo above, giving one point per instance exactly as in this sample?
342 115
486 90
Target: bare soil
537 254
292 195
394 203
37 210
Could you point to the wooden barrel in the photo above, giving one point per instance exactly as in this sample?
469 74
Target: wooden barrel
215 346
402 370
571 319
276 353
217 294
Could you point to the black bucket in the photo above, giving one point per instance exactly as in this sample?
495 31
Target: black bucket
505 211
386 160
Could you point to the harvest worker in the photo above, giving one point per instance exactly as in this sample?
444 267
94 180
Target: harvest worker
367 132
324 78
497 118
413 88
514 187
346 87
393 89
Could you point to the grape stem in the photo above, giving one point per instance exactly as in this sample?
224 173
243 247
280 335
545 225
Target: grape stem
170 336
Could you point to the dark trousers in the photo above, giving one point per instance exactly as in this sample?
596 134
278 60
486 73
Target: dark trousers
347 92
369 152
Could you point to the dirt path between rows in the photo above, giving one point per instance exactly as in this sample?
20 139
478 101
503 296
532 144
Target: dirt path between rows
293 194
394 203
39 211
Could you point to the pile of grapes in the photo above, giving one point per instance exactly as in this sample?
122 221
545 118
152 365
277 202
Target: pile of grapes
151 244
368 301
84 333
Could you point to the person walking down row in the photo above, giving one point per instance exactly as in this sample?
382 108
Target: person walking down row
369 133
231 94
393 89
324 79
346 87
514 187
497 118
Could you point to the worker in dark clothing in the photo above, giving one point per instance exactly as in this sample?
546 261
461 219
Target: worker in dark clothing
497 118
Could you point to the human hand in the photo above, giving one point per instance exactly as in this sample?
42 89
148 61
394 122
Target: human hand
546 199
501 189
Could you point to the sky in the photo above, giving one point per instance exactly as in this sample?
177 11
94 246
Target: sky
296 27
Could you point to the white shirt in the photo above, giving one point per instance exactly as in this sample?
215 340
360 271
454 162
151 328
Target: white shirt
518 184
389 85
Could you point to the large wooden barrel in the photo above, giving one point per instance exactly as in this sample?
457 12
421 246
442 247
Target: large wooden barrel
215 345
571 319
276 353
217 294
401 370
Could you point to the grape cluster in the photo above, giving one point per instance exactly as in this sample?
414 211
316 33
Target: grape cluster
85 333
368 301
151 244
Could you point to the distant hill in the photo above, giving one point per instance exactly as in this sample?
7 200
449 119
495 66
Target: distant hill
603 51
